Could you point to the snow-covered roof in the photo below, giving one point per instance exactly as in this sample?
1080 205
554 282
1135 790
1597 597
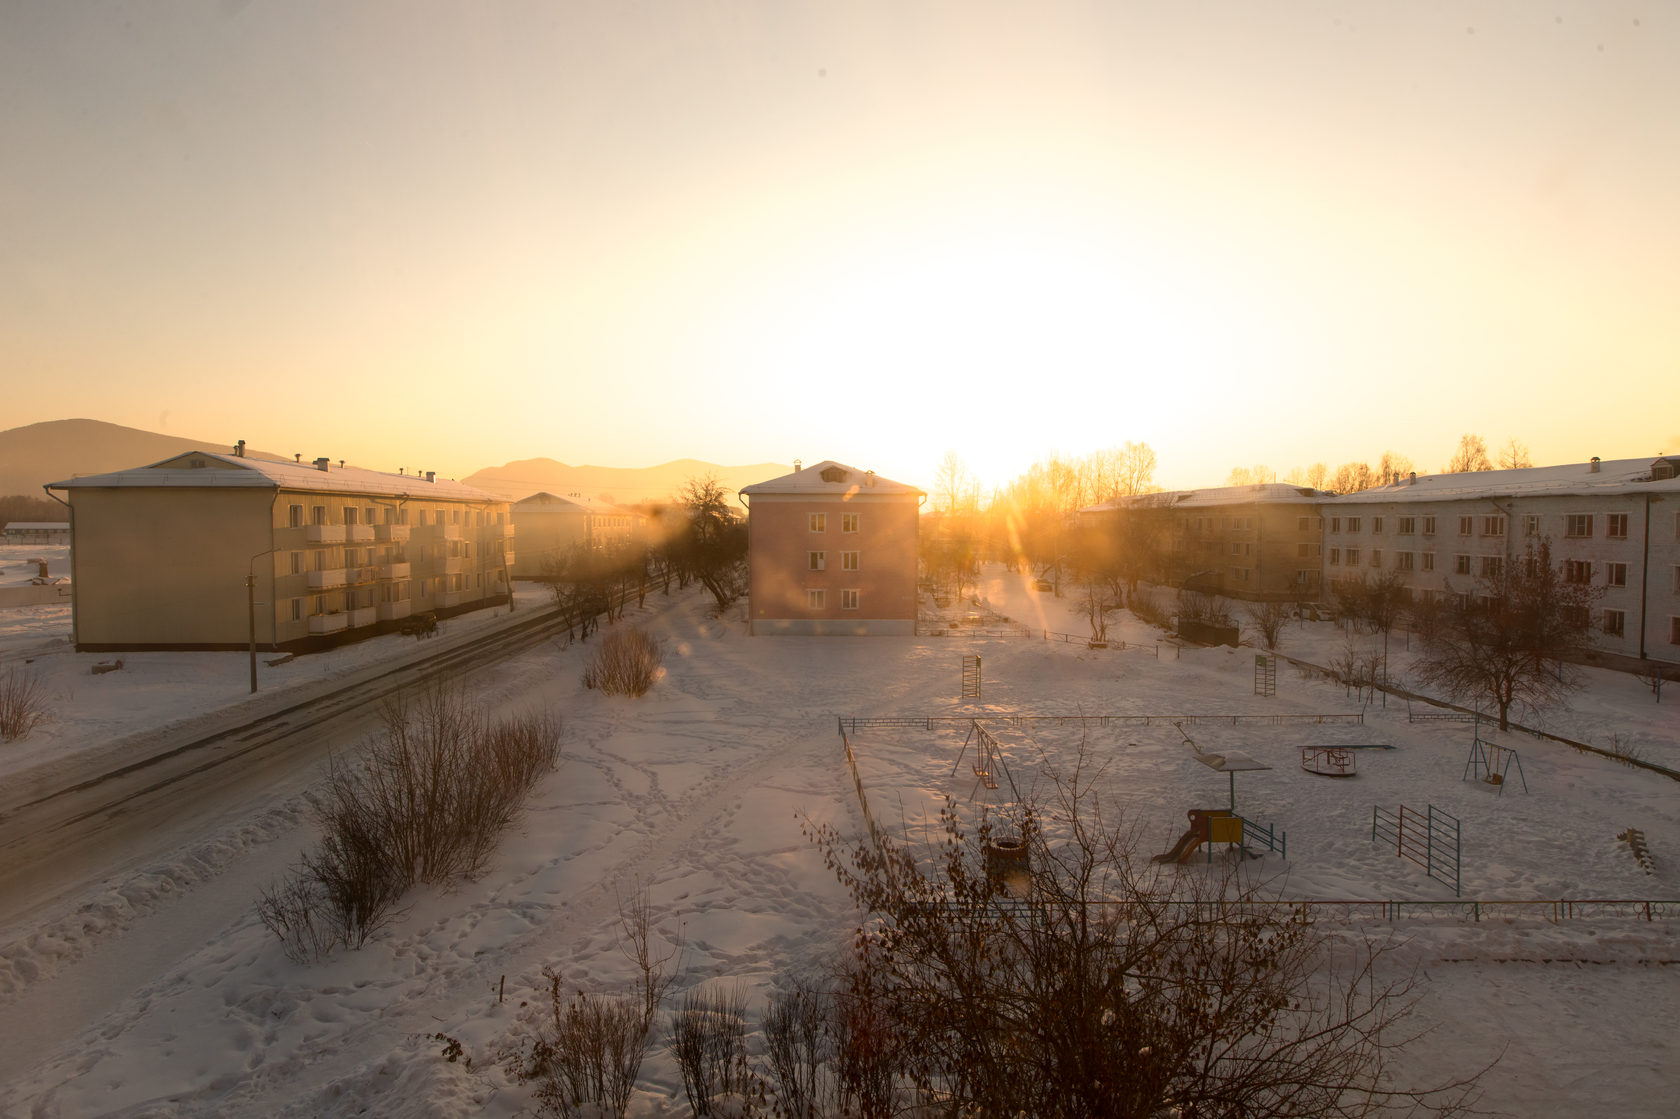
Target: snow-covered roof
1572 479
37 526
233 472
829 477
1270 493
546 502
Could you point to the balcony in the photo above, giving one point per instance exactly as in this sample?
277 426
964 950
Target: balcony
395 570
328 623
391 611
364 616
359 534
390 534
326 580
363 574
451 532
454 565
325 534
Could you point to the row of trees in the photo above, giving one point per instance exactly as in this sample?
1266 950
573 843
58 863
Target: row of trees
1356 477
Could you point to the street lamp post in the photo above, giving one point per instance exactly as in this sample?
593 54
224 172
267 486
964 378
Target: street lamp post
251 609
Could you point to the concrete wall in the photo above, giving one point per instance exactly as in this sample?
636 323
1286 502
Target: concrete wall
884 579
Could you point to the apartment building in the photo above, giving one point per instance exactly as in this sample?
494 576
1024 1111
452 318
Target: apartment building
1256 543
551 527
1614 526
212 551
832 550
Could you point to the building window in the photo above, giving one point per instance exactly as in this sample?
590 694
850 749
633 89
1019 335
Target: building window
1376 525
1309 550
1335 524
1429 526
816 599
1674 631
1428 561
1403 561
848 522
1577 571
1376 557
1578 524
350 514
294 516
848 600
1236 548
1353 524
1614 620
297 609
1615 526
818 561
1492 566
1336 556
818 522
1531 524
1493 526
848 561
1408 526
1353 557
402 516
1461 565
1465 525
297 563
1615 574
317 514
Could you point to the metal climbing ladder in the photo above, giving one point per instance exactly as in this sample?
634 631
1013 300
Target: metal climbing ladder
971 678
1265 674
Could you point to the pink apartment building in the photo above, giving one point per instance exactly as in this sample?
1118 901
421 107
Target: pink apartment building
832 551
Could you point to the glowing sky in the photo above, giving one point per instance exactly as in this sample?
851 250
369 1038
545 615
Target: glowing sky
625 232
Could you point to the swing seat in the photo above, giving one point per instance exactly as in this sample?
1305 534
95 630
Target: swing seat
1495 779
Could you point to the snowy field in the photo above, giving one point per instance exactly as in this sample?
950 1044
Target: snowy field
162 995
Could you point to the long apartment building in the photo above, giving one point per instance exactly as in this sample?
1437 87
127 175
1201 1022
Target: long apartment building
212 551
1613 526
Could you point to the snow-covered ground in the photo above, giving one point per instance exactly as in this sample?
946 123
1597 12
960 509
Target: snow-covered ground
162 994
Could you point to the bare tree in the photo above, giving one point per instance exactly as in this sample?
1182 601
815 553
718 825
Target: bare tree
1514 455
1353 477
1269 618
1098 984
716 546
1392 467
954 485
1471 455
1506 644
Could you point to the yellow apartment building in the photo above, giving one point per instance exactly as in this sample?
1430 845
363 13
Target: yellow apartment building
213 551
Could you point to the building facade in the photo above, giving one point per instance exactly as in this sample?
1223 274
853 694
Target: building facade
550 528
212 551
1612 526
832 550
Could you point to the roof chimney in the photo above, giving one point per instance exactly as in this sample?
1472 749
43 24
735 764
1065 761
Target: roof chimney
322 463
796 466
1592 467
239 449
1412 481
297 456
431 475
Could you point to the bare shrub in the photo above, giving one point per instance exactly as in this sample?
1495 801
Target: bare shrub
1269 619
1148 606
23 704
709 1042
1202 606
586 1054
626 663
799 1048
424 802
1116 987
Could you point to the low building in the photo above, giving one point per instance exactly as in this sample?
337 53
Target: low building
552 527
832 550
35 532
212 551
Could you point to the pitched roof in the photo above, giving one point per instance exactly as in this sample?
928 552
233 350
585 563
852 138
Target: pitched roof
1626 475
1271 493
829 477
546 502
235 472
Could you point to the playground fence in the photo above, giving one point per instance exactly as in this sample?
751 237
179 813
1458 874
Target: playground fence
1430 839
857 783
852 723
1259 834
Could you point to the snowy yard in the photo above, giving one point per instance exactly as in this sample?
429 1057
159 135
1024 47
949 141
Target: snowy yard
163 995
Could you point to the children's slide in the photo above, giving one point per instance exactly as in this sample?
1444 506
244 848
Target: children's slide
1200 828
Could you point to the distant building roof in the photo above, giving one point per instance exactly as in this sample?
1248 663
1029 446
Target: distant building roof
554 503
1579 478
829 477
216 471
37 526
1272 493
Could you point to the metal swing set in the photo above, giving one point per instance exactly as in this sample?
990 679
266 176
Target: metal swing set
1491 763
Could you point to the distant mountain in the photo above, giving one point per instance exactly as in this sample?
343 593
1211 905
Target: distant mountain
52 451
620 485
